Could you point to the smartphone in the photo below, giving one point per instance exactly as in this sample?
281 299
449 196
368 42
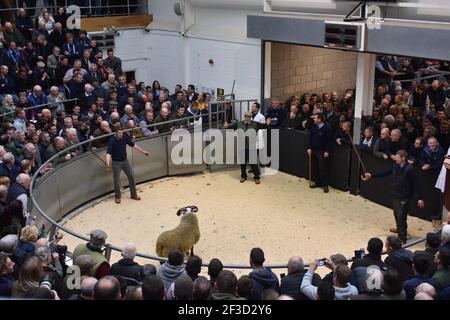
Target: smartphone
321 262
359 254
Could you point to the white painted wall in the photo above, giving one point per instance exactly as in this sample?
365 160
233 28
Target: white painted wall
166 55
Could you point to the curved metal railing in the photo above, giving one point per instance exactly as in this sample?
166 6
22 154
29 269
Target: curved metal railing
2 115
56 225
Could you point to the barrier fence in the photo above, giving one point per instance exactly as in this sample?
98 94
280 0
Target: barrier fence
379 189
89 8
51 105
83 179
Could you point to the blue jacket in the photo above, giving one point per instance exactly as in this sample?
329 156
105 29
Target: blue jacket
435 158
23 23
36 101
24 250
7 85
320 138
263 279
411 284
444 294
277 114
6 284
10 173
76 89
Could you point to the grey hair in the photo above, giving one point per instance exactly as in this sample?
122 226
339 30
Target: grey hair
338 259
59 139
8 157
8 242
44 254
87 286
21 178
129 251
296 264
16 134
128 107
41 242
71 131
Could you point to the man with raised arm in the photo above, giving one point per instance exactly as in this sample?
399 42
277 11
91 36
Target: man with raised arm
117 152
404 185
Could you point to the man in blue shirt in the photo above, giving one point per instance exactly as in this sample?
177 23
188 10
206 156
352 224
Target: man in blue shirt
404 185
117 152
319 149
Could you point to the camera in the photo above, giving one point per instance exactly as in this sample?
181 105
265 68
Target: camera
46 282
321 262
359 254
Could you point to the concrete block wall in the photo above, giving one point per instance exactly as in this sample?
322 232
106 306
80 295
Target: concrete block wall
300 69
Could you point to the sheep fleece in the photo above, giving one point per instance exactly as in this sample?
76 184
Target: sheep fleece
183 237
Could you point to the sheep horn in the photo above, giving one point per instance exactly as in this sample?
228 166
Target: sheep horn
181 211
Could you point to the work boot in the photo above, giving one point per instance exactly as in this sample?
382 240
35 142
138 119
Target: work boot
314 186
393 229
257 181
325 189
243 180
117 200
136 198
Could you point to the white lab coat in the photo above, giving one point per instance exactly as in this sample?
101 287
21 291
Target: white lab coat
260 139
440 183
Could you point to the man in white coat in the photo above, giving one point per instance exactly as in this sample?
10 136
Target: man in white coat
443 184
257 116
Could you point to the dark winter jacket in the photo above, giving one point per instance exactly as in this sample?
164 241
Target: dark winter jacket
263 279
401 260
169 273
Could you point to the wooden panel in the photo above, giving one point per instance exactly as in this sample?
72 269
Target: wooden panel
98 23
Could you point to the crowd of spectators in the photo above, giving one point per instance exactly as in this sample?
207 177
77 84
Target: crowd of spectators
34 268
406 115
58 89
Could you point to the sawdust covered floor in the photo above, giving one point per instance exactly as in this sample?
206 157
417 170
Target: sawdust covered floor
282 215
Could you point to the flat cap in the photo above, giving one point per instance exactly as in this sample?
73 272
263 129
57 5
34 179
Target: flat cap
98 238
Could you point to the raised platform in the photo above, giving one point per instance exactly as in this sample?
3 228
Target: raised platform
118 22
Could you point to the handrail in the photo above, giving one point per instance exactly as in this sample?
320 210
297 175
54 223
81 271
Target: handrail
37 106
56 224
127 6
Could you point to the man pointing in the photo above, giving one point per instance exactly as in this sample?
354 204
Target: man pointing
117 152
404 185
